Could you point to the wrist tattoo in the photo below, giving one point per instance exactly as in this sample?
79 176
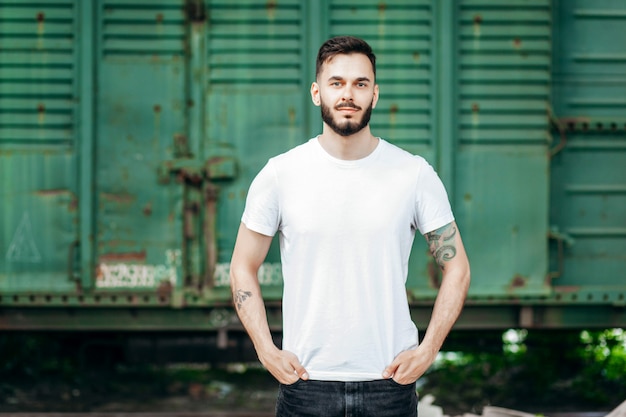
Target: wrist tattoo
241 296
442 244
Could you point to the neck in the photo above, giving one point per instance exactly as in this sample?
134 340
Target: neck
348 148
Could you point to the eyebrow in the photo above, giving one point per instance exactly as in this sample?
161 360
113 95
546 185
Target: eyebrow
339 78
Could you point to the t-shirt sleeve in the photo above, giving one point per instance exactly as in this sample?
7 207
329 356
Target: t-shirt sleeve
262 214
432 207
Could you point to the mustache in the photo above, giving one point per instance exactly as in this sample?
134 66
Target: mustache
347 105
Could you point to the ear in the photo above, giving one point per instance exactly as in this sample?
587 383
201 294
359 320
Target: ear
375 99
315 94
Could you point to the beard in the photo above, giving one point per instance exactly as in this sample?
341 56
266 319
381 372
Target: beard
347 127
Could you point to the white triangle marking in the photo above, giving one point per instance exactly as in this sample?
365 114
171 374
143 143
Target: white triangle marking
22 247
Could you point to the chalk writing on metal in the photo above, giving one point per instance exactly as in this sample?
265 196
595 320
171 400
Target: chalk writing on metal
139 275
22 247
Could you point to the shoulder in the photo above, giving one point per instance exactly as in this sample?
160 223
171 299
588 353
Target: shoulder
401 157
296 153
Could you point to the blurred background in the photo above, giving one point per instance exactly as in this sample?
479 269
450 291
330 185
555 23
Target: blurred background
130 131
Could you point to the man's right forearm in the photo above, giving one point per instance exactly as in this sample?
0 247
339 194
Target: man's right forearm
251 309
248 255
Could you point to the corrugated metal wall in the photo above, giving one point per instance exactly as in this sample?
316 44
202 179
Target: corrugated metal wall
588 178
120 119
503 72
39 145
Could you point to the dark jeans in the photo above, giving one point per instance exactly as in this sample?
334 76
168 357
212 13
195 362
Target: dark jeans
380 398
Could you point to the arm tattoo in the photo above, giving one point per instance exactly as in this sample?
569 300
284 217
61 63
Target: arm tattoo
241 296
442 244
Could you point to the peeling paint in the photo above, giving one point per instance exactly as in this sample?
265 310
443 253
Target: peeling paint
123 257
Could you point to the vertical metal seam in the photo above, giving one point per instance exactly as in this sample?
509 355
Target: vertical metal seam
445 100
87 52
316 25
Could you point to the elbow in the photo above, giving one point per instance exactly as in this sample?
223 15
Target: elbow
234 274
241 275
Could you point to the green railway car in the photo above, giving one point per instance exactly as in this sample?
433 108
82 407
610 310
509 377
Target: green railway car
130 131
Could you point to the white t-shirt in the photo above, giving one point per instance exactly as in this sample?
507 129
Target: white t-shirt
346 231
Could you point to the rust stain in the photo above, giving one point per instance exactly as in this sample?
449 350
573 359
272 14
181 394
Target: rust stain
478 19
118 198
393 112
147 210
292 115
518 281
164 289
382 6
271 6
159 17
51 193
215 160
517 43
123 257
41 110
416 56
475 107
40 17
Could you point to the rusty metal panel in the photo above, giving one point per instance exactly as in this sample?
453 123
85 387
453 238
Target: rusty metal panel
588 187
257 82
38 146
142 145
137 126
503 77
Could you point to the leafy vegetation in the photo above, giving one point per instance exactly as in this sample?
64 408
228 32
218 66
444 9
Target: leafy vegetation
533 371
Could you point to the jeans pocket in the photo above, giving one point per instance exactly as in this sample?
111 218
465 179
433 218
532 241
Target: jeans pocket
394 383
292 385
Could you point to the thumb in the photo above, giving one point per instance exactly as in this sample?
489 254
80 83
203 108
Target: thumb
302 373
390 370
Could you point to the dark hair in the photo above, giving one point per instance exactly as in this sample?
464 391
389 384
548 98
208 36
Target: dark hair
343 45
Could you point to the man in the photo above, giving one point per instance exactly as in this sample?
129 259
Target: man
346 205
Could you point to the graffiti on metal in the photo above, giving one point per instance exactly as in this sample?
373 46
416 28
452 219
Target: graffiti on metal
127 275
269 274
22 247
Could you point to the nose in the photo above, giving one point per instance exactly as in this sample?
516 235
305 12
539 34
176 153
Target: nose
347 93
